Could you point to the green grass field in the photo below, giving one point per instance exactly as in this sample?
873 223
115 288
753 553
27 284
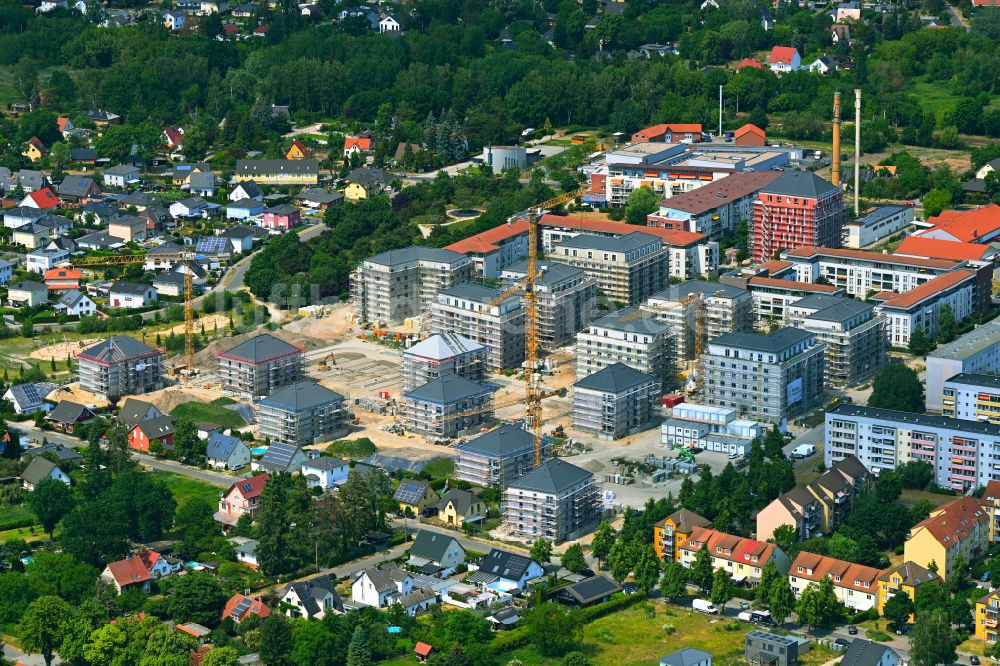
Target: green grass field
185 489
210 413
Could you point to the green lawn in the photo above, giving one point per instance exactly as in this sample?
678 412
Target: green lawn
933 96
211 413
186 489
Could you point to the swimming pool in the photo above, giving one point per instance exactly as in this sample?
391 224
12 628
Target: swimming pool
259 451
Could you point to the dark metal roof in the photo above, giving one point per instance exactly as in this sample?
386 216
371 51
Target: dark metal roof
553 476
507 440
447 389
415 253
888 417
431 545
626 243
646 325
301 396
973 379
772 343
675 292
592 589
261 348
616 378
800 184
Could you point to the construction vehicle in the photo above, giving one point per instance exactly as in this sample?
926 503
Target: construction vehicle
187 258
683 453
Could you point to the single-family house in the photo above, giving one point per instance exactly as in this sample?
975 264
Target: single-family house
202 183
27 293
98 212
325 472
121 176
30 236
281 218
77 189
319 198
86 156
784 59
62 278
687 657
226 452
174 136
244 209
589 591
241 498
75 303
43 199
130 228
863 652
19 216
435 552
458 507
67 415
29 397
190 207
506 571
381 586
280 457
365 182
240 607
41 468
131 295
246 190
312 598
34 149
99 240
297 151
134 411
416 496
417 600
389 23
138 569
357 144
246 553
153 435
242 237
65 126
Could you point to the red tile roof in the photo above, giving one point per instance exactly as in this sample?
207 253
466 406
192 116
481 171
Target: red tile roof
302 147
174 135
808 251
853 576
489 240
928 289
749 128
967 226
668 236
422 649
740 549
62 274
782 55
759 281
747 62
256 607
44 198
62 122
251 487
936 248
775 266
953 522
129 571
361 142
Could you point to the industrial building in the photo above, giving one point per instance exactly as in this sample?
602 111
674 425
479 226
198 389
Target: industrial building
799 208
614 402
556 501
496 458
468 310
767 377
259 366
447 407
976 352
640 342
394 286
628 269
853 332
566 298
120 366
302 413
698 309
972 397
443 354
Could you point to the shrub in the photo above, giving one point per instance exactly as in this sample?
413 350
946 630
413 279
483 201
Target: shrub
669 629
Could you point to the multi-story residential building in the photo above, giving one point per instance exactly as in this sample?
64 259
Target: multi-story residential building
954 532
556 501
566 297
302 413
715 209
443 354
768 377
690 425
818 507
495 249
976 352
447 407
675 529
496 458
771 297
798 208
396 285
640 342
468 309
905 578
614 402
856 586
962 453
259 366
990 501
120 366
987 617
278 172
743 559
853 332
701 309
628 269
877 225
920 308
972 398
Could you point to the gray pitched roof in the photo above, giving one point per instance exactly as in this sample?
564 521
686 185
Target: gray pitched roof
443 346
319 195
685 657
325 463
504 564
553 476
591 589
626 243
773 343
447 389
37 469
133 288
31 395
118 348
800 184
121 170
267 167
300 396
312 592
552 272
202 181
645 325
261 348
67 411
133 411
71 298
384 577
616 378
160 426
250 188
864 652
100 239
507 440
461 499
75 186
415 253
431 545
417 596
222 447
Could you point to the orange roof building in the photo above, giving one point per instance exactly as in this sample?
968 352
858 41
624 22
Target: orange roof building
920 307
980 225
742 558
934 248
357 144
669 133
749 135
856 586
62 279
955 531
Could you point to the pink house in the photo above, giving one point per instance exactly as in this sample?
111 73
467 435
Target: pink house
281 218
243 497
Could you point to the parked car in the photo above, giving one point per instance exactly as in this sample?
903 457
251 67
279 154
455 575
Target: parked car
985 577
974 660
744 605
705 606
852 630
734 456
842 643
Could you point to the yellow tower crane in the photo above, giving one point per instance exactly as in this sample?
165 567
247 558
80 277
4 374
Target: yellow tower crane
187 258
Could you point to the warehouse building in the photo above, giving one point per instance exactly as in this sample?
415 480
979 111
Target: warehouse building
259 366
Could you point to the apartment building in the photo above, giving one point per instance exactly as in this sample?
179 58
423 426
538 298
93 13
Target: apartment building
690 425
495 249
640 342
674 530
394 286
278 172
447 407
855 586
628 269
259 366
468 309
768 377
742 558
566 297
987 617
879 224
990 501
702 309
614 402
920 308
853 332
905 578
956 531
443 354
976 352
556 501
302 413
496 458
120 366
771 297
796 209
818 507
716 208
972 397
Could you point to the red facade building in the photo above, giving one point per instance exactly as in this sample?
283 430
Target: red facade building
796 209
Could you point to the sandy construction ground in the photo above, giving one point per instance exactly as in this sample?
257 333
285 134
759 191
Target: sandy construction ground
168 398
209 322
334 327
60 350
74 393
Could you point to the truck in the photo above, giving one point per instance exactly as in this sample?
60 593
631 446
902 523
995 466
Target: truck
762 617
705 606
804 450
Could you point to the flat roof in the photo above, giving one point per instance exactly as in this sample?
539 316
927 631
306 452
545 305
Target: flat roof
910 418
970 344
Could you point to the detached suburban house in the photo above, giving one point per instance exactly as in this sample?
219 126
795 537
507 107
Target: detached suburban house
29 398
226 452
325 472
381 586
138 569
505 571
121 176
27 293
131 295
435 552
39 469
159 430
460 506
281 218
243 497
313 598
67 415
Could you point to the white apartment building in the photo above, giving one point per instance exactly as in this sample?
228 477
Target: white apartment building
628 269
698 308
640 342
877 225
976 352
467 309
556 501
772 297
972 397
921 307
566 296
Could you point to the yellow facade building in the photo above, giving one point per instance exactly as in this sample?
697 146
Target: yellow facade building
675 529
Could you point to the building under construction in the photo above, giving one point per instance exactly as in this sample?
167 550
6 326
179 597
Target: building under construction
699 309
302 413
614 402
447 407
556 501
496 458
120 366
640 342
567 297
443 354
259 366
468 310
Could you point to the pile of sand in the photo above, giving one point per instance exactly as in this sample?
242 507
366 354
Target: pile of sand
60 350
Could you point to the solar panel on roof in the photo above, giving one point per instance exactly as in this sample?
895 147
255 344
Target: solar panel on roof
410 493
241 608
212 245
31 393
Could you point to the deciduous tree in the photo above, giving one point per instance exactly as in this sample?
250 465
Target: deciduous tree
41 627
51 500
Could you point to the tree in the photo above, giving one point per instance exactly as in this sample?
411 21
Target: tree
782 600
647 568
818 606
933 641
51 500
769 576
276 641
947 326
541 551
188 447
604 538
897 387
722 587
358 653
898 609
786 537
41 627
573 559
641 202
701 572
575 659
552 628
673 585
221 656
919 343
620 559
197 597
936 201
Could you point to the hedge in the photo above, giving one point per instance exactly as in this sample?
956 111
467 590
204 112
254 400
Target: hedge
17 523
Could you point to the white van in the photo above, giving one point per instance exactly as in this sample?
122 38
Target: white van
705 606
